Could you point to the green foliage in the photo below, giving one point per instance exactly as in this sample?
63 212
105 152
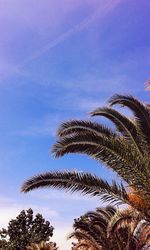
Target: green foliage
85 183
125 149
24 230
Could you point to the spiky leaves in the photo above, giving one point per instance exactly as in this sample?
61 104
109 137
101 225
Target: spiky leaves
140 110
123 125
125 151
42 246
115 229
84 183
76 126
94 223
122 225
114 151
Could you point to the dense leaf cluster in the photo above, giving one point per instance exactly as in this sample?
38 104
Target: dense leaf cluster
111 229
24 230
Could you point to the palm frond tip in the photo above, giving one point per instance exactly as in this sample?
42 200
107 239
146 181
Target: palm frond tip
85 183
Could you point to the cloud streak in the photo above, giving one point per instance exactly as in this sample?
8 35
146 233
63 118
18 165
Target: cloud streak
100 12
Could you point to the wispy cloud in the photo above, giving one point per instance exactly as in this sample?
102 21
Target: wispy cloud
59 195
101 11
44 126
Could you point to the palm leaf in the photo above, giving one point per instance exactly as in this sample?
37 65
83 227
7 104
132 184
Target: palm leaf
90 229
97 221
122 219
114 152
141 112
124 125
76 126
81 234
84 183
141 236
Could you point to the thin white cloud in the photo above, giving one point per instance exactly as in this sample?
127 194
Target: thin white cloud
59 195
44 126
100 12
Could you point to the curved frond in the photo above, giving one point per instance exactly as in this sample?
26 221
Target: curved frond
92 227
81 234
84 183
93 232
123 124
109 209
140 110
141 236
126 218
97 221
76 126
114 152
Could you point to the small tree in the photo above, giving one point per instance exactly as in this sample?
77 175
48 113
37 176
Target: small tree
24 230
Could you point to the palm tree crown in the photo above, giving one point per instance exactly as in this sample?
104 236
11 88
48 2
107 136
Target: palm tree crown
124 149
108 228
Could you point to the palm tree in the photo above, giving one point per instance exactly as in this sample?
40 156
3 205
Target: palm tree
111 229
91 229
125 149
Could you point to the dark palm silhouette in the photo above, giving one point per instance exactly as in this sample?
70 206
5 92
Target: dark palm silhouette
91 228
125 149
108 228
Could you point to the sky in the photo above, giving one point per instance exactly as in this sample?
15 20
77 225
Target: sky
60 59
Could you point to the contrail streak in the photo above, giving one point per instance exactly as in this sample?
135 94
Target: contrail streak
100 12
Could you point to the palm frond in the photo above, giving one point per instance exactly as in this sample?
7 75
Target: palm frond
123 124
76 126
91 229
114 152
109 209
141 236
85 183
140 110
97 221
81 234
123 219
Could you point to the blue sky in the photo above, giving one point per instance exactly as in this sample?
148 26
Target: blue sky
58 61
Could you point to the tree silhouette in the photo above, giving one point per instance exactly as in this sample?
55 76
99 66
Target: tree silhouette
24 230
